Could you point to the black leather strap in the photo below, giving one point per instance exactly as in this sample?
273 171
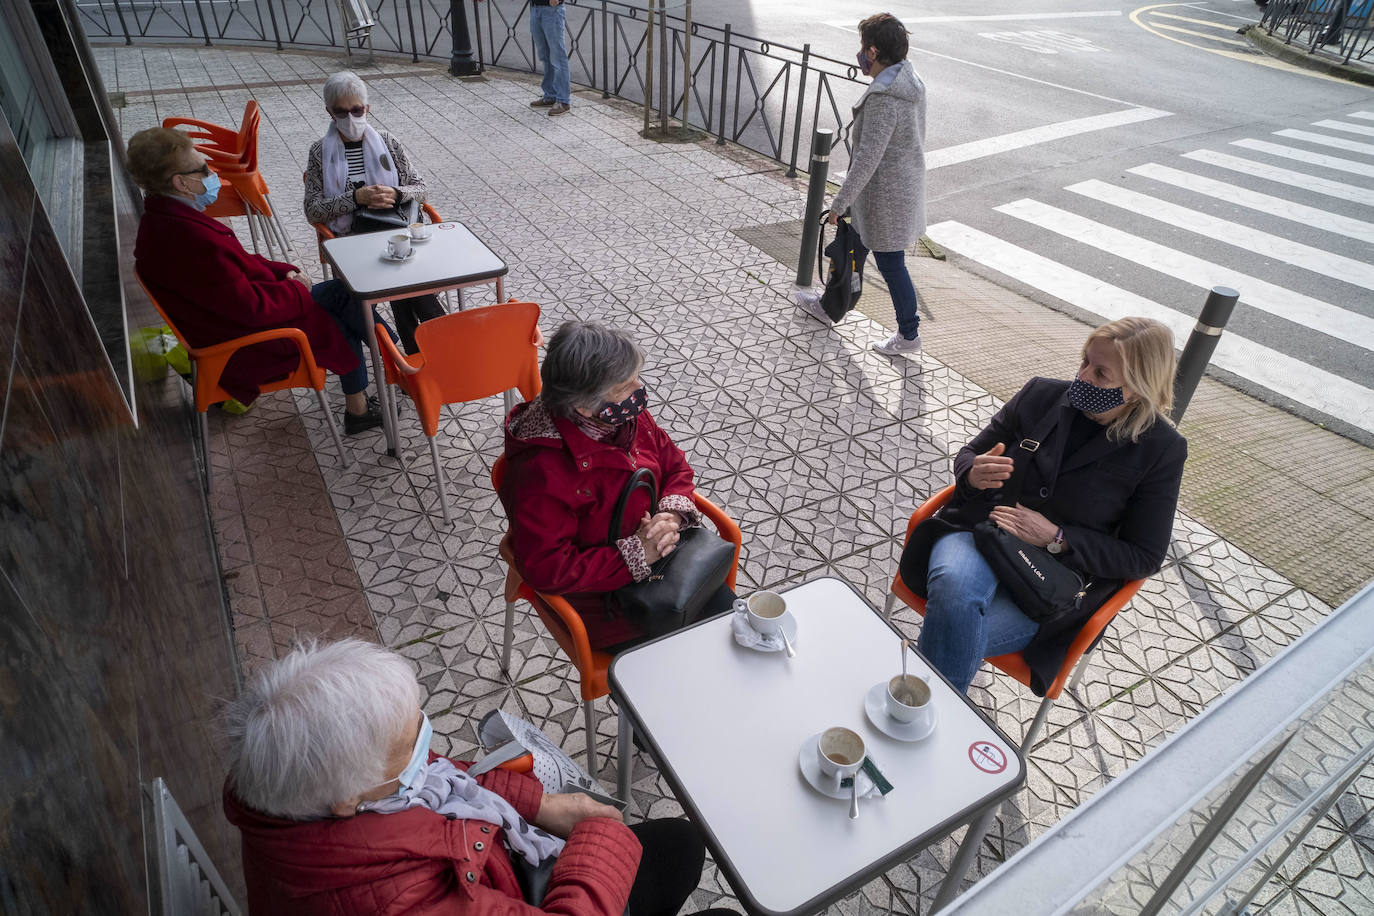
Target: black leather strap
643 477
1023 452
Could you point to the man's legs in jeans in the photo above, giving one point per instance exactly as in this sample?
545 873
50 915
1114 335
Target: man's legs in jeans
546 27
969 617
892 265
335 298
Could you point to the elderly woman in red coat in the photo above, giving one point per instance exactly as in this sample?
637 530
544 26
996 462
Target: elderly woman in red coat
570 453
343 808
214 290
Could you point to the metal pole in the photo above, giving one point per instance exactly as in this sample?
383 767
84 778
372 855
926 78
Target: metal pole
724 84
461 63
686 65
801 105
664 49
1216 311
605 50
648 65
815 197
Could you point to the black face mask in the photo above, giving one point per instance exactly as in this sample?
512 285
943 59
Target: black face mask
626 410
1090 398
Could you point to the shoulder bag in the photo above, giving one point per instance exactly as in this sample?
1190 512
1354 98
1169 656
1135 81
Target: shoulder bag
681 583
844 281
1043 587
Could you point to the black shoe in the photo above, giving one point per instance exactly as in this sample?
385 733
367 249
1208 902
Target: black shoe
355 423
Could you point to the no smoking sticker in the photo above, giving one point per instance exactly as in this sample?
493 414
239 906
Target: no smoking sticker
987 757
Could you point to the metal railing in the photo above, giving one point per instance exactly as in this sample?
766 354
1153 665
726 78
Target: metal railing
765 96
1342 27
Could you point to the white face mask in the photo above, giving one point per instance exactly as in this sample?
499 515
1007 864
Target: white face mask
351 128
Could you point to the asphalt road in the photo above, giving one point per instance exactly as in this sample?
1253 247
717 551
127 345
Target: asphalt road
1119 158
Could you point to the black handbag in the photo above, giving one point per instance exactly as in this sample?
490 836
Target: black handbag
1042 587
366 219
844 281
681 583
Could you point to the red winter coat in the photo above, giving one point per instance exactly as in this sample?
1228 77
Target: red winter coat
421 863
214 291
559 492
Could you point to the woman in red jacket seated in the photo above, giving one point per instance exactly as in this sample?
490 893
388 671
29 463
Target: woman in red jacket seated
214 290
343 808
570 453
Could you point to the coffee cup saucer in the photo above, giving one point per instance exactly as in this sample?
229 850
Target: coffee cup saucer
811 770
387 257
788 624
875 704
422 239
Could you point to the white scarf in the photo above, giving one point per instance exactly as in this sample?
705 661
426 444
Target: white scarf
377 164
451 792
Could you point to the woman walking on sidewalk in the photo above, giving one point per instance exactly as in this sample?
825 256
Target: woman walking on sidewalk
886 184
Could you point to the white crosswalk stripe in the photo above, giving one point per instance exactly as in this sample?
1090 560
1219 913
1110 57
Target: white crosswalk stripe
1307 334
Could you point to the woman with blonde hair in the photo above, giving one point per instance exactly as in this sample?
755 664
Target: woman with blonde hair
1097 466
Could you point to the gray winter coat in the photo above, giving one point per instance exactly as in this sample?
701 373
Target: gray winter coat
886 184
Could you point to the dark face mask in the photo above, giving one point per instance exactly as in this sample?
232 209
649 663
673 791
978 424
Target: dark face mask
626 410
1089 398
865 64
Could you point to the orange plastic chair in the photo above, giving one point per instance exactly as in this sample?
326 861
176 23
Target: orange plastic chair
207 365
463 357
567 629
1014 664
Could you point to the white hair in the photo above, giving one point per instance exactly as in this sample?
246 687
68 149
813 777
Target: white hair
342 85
314 728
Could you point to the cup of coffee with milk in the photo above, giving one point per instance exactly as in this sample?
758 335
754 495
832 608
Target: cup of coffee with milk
908 699
766 610
840 754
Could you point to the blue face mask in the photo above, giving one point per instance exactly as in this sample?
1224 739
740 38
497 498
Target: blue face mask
208 196
413 776
865 65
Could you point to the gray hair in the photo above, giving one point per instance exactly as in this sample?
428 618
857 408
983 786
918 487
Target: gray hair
342 85
582 363
314 728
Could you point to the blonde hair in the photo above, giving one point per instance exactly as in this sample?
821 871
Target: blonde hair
154 155
1148 365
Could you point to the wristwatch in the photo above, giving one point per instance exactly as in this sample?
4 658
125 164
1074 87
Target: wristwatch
1057 545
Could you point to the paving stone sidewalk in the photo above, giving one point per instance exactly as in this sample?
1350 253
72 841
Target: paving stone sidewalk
817 446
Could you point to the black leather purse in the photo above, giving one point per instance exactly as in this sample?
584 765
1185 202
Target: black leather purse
1043 587
681 583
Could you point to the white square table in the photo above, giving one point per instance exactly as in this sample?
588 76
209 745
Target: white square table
726 725
452 258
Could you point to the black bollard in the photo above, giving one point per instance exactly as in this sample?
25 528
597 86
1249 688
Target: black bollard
461 63
1216 311
815 198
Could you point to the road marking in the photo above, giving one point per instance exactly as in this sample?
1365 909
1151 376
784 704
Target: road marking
1337 189
999 17
1348 128
1264 203
991 146
1196 34
1317 260
1353 146
1224 26
1363 115
1302 155
1285 303
1316 388
1043 41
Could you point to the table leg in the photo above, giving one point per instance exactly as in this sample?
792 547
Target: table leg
500 290
968 852
625 752
379 379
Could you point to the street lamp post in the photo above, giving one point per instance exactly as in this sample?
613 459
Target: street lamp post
461 63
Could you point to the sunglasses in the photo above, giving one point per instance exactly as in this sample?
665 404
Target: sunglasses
356 111
203 171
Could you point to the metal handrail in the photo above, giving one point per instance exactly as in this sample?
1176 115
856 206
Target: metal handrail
760 94
1306 23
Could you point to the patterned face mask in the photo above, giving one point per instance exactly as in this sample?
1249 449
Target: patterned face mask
865 64
1089 398
626 410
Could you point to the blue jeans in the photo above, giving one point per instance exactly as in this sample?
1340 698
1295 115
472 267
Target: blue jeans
546 27
969 616
892 265
338 300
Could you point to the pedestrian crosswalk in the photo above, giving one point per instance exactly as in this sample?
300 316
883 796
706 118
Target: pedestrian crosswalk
1285 223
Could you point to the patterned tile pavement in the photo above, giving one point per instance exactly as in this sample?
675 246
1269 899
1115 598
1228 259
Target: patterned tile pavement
819 447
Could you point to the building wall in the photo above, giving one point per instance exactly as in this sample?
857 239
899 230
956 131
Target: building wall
114 633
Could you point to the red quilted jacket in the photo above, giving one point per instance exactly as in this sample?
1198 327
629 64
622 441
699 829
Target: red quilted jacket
420 863
214 291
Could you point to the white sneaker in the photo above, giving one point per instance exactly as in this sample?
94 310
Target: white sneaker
810 303
897 345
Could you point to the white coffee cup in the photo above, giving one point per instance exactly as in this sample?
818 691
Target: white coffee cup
766 610
419 231
398 246
908 698
839 753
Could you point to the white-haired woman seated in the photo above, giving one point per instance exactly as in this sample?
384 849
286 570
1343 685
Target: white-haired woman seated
343 808
355 170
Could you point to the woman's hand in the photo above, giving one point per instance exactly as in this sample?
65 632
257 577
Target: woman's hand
1027 524
834 217
375 196
560 812
300 277
658 534
990 469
